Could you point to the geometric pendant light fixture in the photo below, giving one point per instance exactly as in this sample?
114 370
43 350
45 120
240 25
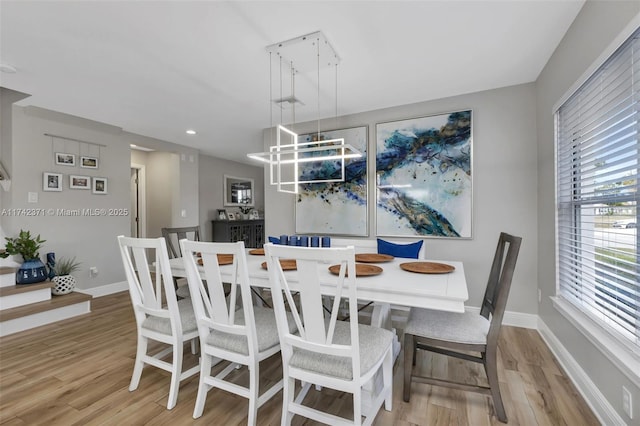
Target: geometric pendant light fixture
304 55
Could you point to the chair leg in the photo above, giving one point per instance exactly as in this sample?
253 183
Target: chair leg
409 356
203 388
387 379
139 363
176 370
254 374
357 407
415 351
491 369
288 395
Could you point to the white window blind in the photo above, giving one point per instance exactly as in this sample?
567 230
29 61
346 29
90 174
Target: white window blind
598 149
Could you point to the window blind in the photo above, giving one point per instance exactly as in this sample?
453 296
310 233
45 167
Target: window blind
597 158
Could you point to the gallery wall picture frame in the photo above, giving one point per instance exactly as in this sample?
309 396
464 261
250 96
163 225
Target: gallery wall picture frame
65 159
231 216
424 176
222 214
99 185
89 162
79 182
52 181
335 208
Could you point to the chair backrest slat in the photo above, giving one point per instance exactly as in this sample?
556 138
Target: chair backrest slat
174 235
213 311
499 283
311 279
152 295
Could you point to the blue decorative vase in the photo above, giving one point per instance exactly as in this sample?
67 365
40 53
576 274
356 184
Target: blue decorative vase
31 271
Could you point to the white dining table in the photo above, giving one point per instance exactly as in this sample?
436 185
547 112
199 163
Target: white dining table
394 286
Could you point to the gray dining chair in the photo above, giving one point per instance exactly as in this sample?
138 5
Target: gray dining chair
173 236
457 334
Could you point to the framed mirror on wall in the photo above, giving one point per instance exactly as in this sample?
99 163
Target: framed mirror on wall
238 191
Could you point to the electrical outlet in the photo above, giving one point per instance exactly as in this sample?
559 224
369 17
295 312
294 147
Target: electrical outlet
539 295
93 272
627 402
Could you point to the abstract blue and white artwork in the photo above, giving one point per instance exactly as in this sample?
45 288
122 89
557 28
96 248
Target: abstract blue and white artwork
423 176
338 208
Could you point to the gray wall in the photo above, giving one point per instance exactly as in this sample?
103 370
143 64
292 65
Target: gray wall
161 173
585 41
91 239
212 171
504 185
172 171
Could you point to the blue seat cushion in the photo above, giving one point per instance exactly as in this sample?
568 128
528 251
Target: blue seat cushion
409 251
274 240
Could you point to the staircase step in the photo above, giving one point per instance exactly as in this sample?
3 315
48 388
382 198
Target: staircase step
24 294
35 314
24 288
7 276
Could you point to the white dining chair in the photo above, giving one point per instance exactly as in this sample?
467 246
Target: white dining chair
325 352
243 336
159 315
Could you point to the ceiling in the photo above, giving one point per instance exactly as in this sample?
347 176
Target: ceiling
160 68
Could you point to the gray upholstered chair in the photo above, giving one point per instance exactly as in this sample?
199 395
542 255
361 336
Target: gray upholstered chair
243 336
341 355
456 335
173 236
172 323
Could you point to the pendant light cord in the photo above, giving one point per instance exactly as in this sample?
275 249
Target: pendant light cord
318 50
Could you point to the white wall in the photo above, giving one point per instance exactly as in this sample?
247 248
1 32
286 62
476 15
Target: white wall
595 27
212 171
504 185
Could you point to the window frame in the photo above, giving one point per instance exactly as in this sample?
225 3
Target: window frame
618 350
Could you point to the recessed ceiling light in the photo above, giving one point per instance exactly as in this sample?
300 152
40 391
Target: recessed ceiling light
9 69
191 132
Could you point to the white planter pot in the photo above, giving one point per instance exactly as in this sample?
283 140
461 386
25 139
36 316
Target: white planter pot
64 284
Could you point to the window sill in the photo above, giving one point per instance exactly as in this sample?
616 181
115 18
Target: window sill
621 355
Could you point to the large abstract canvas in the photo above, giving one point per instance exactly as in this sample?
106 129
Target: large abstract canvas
423 176
338 208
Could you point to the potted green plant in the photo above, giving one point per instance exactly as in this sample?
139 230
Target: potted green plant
32 269
64 281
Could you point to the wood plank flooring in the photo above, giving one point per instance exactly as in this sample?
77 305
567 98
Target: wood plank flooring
77 372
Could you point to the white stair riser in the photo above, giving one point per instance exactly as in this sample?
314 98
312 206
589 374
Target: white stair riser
43 318
21 299
7 280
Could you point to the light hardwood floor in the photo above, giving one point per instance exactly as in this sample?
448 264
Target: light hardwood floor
77 372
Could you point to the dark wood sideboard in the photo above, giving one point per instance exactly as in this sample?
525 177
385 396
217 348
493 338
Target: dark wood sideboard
249 231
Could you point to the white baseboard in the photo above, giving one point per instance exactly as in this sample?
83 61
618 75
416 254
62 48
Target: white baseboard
515 319
602 409
105 290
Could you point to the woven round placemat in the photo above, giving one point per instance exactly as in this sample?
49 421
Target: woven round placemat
427 267
362 270
373 257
